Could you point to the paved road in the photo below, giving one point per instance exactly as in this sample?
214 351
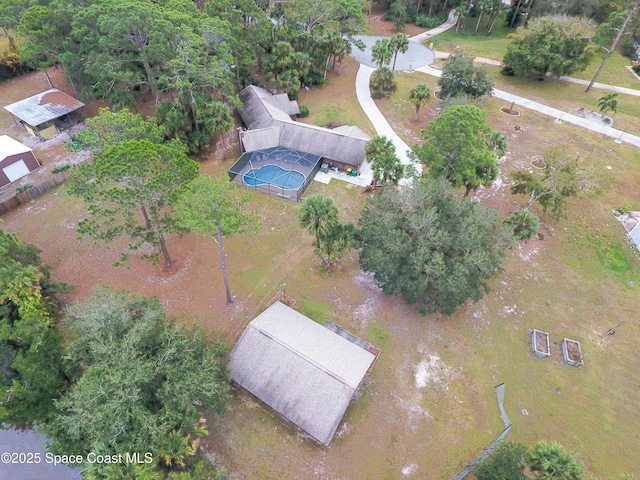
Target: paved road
417 55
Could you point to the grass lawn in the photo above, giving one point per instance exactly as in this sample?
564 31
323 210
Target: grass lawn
428 406
495 47
615 71
341 106
567 96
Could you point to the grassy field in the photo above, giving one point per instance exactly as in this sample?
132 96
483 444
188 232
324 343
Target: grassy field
495 46
568 96
341 106
482 45
429 405
555 93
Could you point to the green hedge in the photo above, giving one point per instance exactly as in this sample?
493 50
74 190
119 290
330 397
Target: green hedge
430 22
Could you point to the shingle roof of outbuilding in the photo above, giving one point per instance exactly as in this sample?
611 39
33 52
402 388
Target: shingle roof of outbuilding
305 372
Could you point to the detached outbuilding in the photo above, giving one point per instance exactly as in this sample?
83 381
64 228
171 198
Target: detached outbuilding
43 114
16 160
304 371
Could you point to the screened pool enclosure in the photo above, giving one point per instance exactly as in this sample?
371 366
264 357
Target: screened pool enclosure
278 171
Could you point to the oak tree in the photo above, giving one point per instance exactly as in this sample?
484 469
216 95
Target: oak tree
557 44
434 249
144 381
460 77
457 146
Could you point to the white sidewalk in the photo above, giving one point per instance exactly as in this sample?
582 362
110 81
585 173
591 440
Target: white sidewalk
383 128
618 135
377 119
451 22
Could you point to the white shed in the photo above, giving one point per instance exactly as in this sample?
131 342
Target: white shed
16 160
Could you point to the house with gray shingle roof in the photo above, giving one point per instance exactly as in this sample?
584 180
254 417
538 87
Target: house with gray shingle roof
302 370
269 124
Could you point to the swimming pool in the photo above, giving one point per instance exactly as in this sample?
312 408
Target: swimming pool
273 175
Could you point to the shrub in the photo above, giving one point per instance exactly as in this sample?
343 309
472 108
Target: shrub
636 68
430 22
628 50
333 123
304 111
391 16
507 71
10 64
524 225
463 100
383 83
23 188
514 11
461 77
60 168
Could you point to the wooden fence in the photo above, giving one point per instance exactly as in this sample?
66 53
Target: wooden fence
33 192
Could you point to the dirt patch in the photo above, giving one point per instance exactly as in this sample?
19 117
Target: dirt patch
432 370
410 469
593 116
380 27
573 351
510 111
528 250
541 343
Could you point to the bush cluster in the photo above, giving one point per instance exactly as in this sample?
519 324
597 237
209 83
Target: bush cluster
10 64
629 50
383 83
430 22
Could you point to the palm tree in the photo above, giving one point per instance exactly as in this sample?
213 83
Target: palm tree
176 448
386 166
496 8
398 43
318 215
608 103
524 224
498 143
420 94
550 460
482 5
381 52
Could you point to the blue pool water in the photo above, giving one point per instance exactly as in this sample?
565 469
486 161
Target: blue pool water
288 179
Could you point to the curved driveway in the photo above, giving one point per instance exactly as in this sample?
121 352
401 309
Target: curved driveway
420 61
383 128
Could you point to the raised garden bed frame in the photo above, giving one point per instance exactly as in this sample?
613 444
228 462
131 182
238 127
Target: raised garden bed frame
540 343
572 352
